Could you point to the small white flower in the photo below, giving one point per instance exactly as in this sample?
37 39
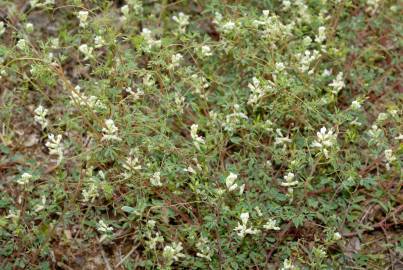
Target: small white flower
99 41
228 26
2 28
135 94
338 83
155 179
149 39
175 60
306 59
321 35
280 139
287 265
40 116
29 27
131 164
182 20
153 241
286 4
86 50
356 105
173 252
242 229
197 140
125 11
203 245
82 16
326 73
271 225
241 189
39 207
103 228
206 50
337 236
325 139
389 158
24 179
230 181
258 211
289 180
280 66
190 169
399 137
110 131
382 117
22 44
55 146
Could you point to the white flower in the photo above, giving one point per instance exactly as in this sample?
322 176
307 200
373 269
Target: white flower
155 179
306 59
286 4
289 180
24 179
125 11
242 229
149 39
326 73
173 252
197 140
22 44
206 50
55 146
271 225
229 181
190 169
280 66
337 236
92 101
325 139
180 102
228 26
241 189
287 265
356 105
132 163
338 83
382 117
280 139
86 50
40 116
389 157
182 20
82 15
399 137
99 41
175 60
203 245
54 43
321 35
135 94
110 131
103 228
39 207
153 241
29 27
2 28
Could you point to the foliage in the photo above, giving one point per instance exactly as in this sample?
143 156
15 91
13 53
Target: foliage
200 134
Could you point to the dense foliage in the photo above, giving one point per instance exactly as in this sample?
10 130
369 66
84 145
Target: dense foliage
200 134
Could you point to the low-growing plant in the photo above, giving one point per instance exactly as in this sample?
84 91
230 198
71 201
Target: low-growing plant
200 134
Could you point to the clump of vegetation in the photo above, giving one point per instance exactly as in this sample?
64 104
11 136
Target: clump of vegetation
200 134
